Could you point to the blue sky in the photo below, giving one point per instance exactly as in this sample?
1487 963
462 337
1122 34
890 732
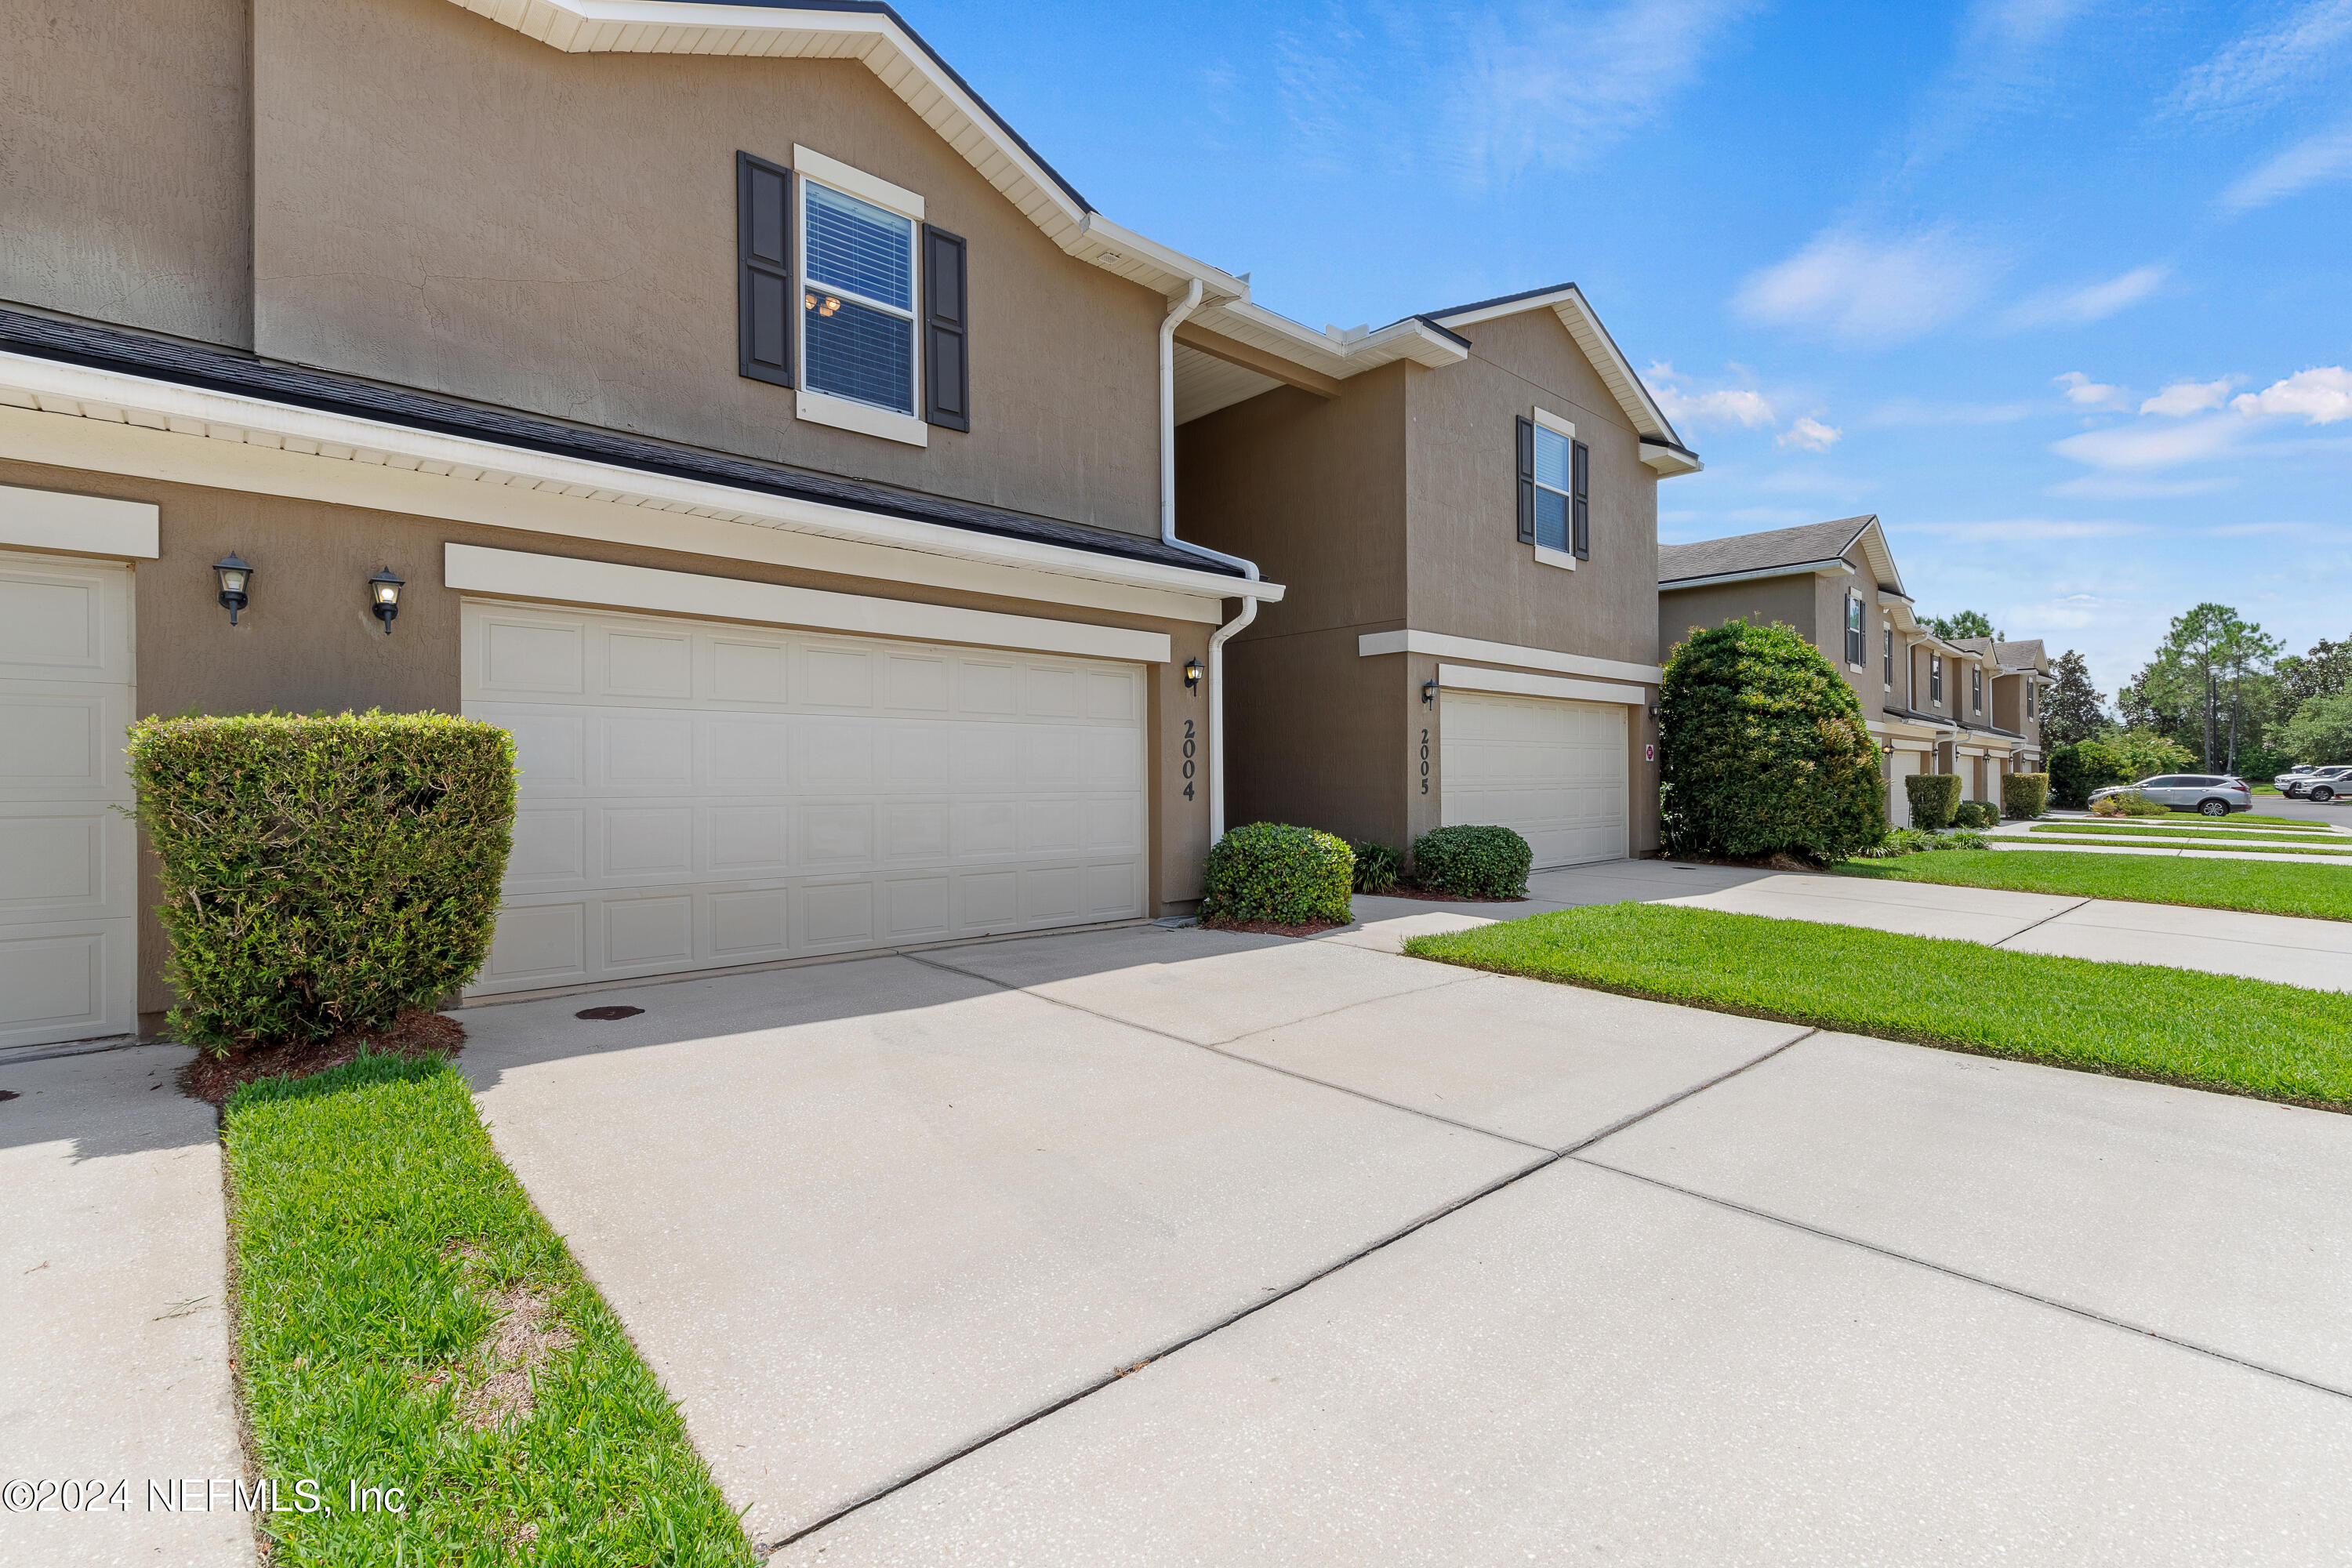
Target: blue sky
2061 290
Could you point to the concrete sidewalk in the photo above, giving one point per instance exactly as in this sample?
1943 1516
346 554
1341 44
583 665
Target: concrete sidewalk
113 1306
2294 951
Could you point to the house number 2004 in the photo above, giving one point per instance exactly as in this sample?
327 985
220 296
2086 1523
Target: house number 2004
1424 762
1188 758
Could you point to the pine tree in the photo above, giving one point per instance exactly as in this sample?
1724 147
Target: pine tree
2073 710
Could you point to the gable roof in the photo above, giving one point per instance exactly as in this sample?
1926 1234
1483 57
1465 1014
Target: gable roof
1779 551
2026 653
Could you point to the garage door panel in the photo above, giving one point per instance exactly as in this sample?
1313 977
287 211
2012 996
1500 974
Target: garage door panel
701 794
1554 771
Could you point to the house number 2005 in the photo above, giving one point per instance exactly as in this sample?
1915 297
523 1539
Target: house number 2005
1188 758
1424 762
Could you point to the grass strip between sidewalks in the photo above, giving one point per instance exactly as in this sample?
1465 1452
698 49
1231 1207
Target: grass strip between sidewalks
407 1319
2258 887
2023 842
2192 835
2174 1026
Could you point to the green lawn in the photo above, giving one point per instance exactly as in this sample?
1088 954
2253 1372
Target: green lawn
2194 834
407 1319
2212 1031
2173 844
2190 820
2264 886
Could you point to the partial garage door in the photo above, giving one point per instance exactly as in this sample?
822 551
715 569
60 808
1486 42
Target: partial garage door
696 794
69 886
1554 771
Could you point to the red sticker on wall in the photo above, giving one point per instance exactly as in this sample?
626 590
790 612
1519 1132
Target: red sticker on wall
1650 754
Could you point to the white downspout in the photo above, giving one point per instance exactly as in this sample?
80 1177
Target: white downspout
1176 314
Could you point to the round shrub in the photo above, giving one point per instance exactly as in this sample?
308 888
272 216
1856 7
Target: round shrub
322 874
1286 876
1377 867
1764 750
1472 862
2025 794
1975 813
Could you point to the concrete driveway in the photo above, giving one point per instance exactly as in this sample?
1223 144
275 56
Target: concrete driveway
1148 1246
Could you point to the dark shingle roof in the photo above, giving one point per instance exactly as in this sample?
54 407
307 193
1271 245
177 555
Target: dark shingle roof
227 370
1759 552
2024 654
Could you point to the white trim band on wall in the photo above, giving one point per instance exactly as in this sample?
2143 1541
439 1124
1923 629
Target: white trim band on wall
82 525
519 574
1516 683
1371 644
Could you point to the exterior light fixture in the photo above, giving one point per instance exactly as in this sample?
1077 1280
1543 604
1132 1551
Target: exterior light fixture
1429 694
235 581
1193 670
1654 713
384 597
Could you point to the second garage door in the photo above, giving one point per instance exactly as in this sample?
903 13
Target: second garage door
698 794
1553 770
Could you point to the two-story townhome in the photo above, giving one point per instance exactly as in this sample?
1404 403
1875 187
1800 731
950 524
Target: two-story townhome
737 410
1969 707
1464 506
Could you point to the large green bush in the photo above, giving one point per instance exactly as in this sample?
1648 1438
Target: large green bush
1935 798
1974 815
1274 872
2025 794
1764 749
322 874
1472 862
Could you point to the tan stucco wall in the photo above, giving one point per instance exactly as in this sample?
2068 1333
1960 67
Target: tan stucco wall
124 162
308 642
443 203
1763 600
1470 576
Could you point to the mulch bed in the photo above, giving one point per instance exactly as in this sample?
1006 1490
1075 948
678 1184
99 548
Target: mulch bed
415 1033
1432 896
1270 927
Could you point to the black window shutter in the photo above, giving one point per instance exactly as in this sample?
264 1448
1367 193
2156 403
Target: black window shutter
1580 500
946 298
1526 480
763 282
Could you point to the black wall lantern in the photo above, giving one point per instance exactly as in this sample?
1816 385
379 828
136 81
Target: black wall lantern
384 597
1193 670
235 578
1429 694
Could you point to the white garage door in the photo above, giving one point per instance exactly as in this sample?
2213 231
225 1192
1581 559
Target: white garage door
696 794
1553 770
68 886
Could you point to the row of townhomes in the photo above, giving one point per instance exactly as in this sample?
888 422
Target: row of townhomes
867 541
1970 708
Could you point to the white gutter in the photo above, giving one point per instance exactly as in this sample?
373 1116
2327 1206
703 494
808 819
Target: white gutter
1217 640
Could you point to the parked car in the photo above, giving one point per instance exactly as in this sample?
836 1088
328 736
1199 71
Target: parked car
2214 795
2315 783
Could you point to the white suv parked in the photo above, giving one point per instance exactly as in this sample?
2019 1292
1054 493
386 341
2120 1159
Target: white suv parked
2214 795
2316 784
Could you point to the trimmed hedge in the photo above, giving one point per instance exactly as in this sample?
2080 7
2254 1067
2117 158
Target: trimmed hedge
1378 866
322 874
1274 872
1472 862
1974 814
1934 798
1764 749
2025 794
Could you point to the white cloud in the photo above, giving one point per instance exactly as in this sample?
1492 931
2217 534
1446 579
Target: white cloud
2253 72
2322 396
2091 303
1545 85
2315 161
1810 435
2118 487
1869 291
2183 398
2152 446
1741 405
1902 411
2084 393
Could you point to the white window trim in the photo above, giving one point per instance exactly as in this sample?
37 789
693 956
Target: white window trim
1545 554
830 408
1554 423
1548 556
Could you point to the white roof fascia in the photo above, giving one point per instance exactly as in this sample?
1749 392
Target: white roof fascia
1871 536
1668 461
1830 568
56 387
1118 250
1244 321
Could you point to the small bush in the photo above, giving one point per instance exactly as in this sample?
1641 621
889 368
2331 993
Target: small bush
1378 866
2132 804
1283 875
1903 841
1974 814
1764 749
2024 795
1472 862
1934 798
322 874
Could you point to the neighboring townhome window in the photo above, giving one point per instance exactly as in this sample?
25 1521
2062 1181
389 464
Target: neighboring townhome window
857 306
1555 489
1935 680
2029 700
1976 688
1857 653
1888 633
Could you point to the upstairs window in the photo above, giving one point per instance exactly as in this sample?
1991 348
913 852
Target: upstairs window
1888 633
857 305
1555 489
1857 653
1976 688
2029 700
1935 680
